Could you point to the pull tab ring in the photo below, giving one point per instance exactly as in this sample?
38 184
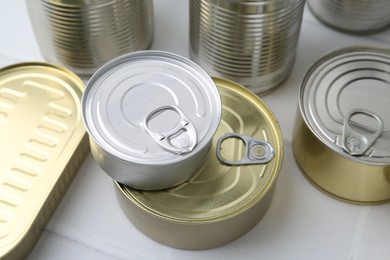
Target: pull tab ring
252 148
184 132
356 143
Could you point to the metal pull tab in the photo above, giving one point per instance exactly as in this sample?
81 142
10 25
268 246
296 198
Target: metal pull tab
357 143
181 139
256 151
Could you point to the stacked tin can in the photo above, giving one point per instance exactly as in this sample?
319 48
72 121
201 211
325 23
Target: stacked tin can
354 16
168 134
250 42
82 35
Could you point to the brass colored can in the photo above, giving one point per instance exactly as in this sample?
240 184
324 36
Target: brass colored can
342 132
43 143
220 203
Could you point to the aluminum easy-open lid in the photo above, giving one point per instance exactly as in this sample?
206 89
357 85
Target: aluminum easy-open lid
345 100
151 107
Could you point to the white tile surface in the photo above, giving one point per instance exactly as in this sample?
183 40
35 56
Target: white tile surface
302 223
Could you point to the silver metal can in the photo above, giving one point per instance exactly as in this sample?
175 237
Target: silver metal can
342 133
151 117
250 42
84 34
352 16
220 203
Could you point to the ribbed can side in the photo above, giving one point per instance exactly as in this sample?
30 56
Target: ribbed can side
83 36
253 43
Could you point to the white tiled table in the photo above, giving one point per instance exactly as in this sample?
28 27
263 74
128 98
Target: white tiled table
302 223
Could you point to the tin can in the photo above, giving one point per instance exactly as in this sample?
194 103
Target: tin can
151 116
342 133
82 35
352 16
220 203
43 143
250 42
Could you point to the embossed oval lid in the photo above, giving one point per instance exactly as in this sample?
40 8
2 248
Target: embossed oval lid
43 143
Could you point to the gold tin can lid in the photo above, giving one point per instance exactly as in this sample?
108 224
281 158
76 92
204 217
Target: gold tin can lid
43 143
221 203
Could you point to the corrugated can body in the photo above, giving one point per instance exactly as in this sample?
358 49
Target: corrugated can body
82 35
341 135
250 42
353 16
151 116
221 202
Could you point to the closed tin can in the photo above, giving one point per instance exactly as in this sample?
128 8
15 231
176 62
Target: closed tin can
43 144
342 133
82 35
352 16
151 116
250 42
220 203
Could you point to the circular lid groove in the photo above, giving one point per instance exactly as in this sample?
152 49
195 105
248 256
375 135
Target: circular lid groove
130 93
354 80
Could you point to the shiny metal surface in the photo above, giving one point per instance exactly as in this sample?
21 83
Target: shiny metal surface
256 151
353 16
250 42
151 116
348 156
82 35
220 203
346 80
43 143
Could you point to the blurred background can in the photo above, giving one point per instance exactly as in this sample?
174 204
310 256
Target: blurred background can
353 16
84 34
251 42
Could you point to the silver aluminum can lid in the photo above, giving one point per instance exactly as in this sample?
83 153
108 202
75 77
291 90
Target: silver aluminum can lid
344 99
151 107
